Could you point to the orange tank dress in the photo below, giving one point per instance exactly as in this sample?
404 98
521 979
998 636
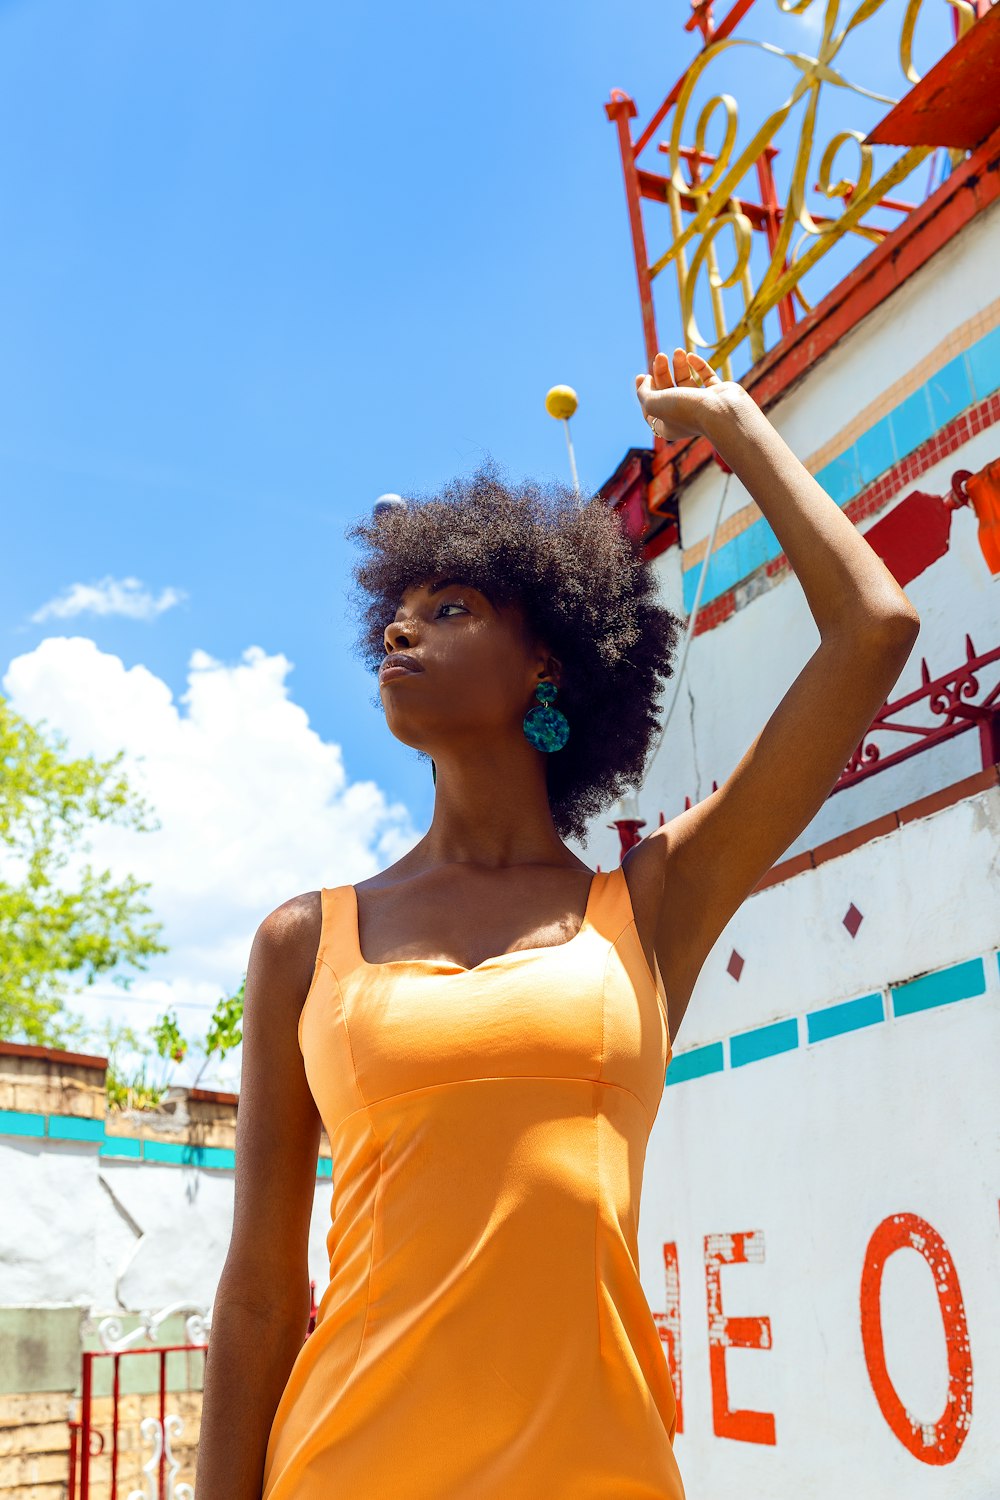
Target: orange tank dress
484 1333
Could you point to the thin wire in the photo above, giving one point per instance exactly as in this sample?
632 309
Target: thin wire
690 630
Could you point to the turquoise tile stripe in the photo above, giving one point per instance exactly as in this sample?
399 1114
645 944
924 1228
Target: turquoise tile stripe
182 1153
695 1063
955 982
959 982
967 378
20 1122
850 1015
121 1145
763 1041
75 1128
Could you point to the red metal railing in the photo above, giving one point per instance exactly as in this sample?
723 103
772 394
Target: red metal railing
948 700
87 1441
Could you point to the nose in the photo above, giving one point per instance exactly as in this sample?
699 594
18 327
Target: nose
397 636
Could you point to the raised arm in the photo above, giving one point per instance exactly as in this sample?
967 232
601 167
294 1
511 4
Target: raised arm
704 863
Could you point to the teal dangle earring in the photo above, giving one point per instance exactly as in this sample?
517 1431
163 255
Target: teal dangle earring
547 728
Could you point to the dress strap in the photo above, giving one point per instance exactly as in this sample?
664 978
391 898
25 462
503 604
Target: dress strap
609 909
338 939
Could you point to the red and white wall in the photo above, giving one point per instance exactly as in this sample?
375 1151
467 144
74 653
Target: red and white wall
820 1227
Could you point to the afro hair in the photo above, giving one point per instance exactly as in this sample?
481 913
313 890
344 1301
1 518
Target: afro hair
584 590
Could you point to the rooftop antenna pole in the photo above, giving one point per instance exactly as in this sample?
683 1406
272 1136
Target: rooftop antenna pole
561 403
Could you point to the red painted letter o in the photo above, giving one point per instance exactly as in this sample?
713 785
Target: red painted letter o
932 1442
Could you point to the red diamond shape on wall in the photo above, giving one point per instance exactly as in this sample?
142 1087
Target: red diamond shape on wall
735 965
853 920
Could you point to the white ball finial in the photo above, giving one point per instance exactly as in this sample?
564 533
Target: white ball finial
388 502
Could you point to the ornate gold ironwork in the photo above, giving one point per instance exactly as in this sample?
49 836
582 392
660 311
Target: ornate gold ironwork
714 225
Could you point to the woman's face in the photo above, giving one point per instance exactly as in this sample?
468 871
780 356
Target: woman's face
477 667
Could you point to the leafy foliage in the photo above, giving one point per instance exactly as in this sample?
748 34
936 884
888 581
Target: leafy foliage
62 923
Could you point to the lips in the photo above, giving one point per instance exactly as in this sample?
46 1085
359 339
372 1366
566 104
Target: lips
396 663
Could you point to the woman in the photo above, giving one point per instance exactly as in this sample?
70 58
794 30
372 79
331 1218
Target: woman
484 1026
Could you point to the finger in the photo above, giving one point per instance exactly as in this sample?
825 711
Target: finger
703 370
683 373
662 378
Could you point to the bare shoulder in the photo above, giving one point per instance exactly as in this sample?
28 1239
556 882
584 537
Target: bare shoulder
290 933
279 973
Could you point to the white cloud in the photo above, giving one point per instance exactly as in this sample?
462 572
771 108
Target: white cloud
112 596
255 807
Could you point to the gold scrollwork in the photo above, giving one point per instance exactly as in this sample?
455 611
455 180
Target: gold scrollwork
843 188
712 200
966 17
696 186
705 255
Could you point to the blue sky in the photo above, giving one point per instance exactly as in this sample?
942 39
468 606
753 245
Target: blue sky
260 264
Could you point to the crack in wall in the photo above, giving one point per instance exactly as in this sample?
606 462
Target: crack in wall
694 741
137 1230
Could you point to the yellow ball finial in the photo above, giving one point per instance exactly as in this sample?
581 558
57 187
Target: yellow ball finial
561 402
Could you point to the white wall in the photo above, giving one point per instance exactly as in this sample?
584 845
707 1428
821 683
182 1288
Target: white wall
816 1146
117 1235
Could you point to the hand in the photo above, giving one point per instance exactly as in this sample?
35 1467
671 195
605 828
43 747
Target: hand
679 404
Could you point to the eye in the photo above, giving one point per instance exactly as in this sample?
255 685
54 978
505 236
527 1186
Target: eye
451 604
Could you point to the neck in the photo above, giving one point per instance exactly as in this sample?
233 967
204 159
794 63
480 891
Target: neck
491 809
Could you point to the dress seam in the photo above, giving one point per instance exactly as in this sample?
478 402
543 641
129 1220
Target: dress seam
597 1152
378 1184
604 1083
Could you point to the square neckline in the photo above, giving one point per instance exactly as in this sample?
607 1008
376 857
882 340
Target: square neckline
443 965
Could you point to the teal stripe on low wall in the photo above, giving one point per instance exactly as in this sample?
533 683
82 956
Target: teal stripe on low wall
19 1122
75 1128
850 1015
763 1041
121 1145
695 1063
182 1153
16 1122
964 380
959 982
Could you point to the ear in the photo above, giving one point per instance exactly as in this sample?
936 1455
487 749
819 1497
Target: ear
553 668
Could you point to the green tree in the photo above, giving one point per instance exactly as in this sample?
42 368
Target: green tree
62 923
